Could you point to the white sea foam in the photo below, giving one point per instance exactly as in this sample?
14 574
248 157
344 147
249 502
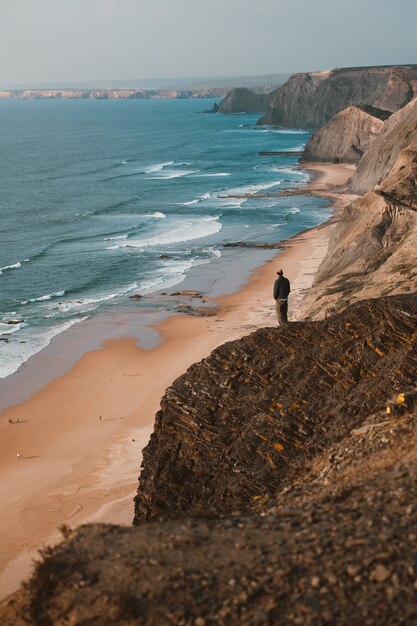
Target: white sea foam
89 304
201 198
116 238
48 296
294 210
213 251
303 176
157 167
157 215
214 175
179 230
15 353
169 174
14 266
253 188
9 329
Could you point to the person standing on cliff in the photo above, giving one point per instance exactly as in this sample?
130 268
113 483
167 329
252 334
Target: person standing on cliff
281 292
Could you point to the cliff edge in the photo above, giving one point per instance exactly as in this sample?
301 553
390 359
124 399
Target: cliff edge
235 425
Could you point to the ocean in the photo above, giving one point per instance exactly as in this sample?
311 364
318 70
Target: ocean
103 199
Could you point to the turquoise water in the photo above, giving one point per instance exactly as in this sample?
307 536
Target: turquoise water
104 198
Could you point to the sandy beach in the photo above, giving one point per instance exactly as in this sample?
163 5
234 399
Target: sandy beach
81 435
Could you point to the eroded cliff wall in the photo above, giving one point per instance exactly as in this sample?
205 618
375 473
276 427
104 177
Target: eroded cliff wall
374 246
399 131
310 100
346 136
235 425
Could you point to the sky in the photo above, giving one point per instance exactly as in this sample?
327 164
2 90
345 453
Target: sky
82 40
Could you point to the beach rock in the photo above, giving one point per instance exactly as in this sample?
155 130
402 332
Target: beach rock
214 109
13 322
242 100
193 293
184 308
237 424
346 136
136 296
310 100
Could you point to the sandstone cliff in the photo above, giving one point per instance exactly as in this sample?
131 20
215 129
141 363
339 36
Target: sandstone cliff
346 136
399 131
311 99
336 545
242 100
373 248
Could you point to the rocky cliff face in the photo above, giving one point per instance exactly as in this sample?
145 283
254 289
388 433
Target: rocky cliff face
336 545
399 131
235 425
373 249
311 99
346 136
242 100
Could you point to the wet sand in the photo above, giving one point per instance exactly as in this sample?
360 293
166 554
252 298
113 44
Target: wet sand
77 467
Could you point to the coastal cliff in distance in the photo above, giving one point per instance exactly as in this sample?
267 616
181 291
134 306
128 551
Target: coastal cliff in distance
346 136
113 94
242 100
311 99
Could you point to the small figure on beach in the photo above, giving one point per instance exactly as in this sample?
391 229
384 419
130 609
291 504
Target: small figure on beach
281 292
100 418
19 456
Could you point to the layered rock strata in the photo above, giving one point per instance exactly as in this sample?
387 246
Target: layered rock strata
399 131
373 248
310 100
346 136
336 547
235 426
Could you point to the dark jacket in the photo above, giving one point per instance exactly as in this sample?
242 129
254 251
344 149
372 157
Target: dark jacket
281 288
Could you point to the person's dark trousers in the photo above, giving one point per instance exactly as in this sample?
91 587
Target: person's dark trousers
281 307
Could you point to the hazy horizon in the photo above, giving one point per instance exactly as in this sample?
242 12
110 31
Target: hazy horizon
51 41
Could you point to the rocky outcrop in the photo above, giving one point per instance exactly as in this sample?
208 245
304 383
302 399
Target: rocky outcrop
399 131
310 100
235 425
335 546
346 136
373 248
242 100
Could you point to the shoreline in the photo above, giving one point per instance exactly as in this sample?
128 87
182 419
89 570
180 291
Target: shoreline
78 467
